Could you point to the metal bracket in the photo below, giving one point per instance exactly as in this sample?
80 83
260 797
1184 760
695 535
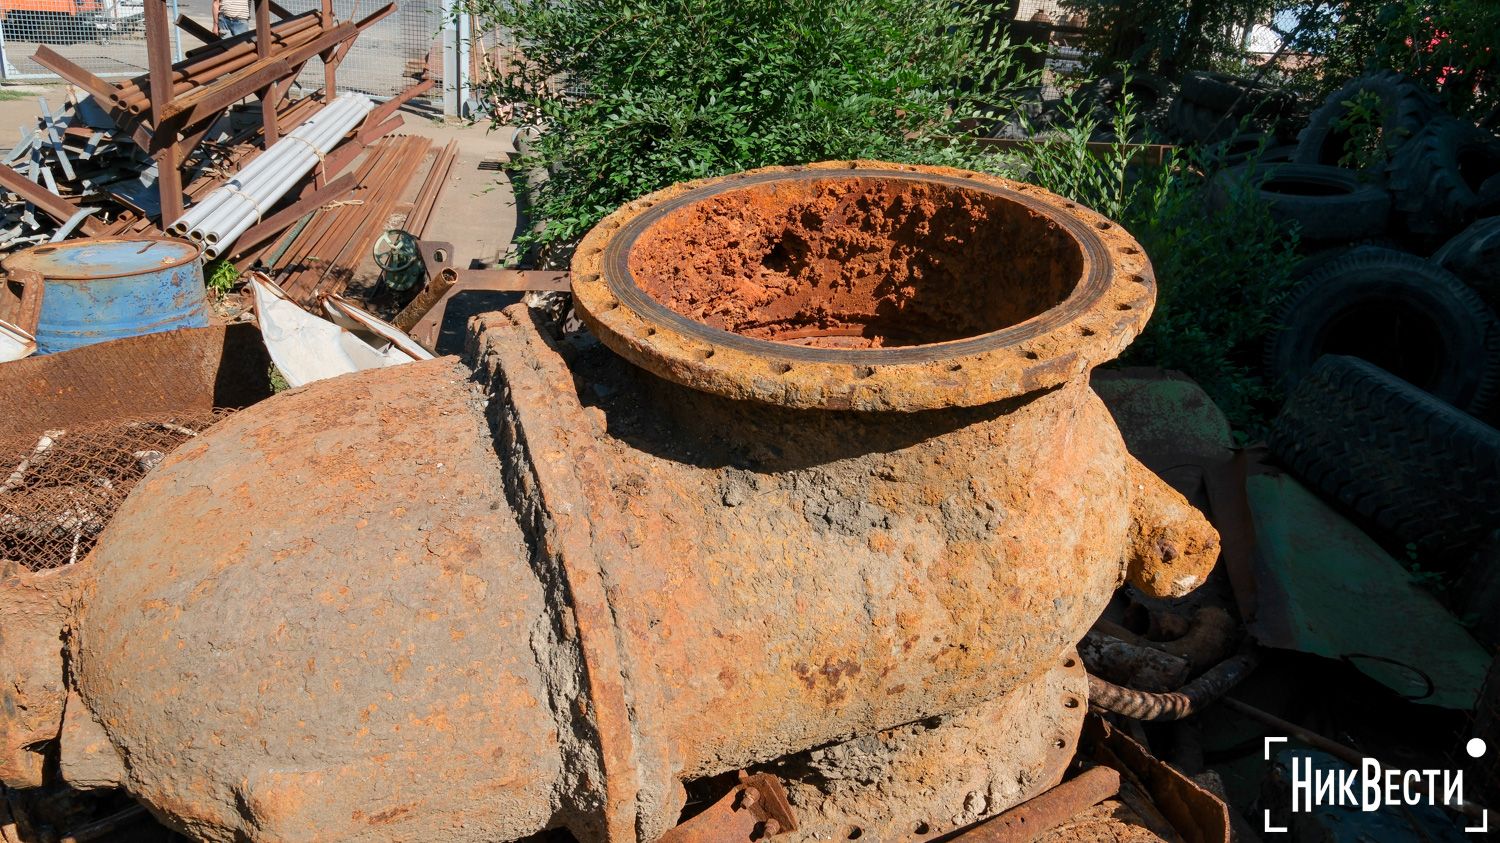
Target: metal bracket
754 810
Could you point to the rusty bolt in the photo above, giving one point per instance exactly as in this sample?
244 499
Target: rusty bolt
749 796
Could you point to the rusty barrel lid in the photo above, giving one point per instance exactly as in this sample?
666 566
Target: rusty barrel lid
108 288
102 257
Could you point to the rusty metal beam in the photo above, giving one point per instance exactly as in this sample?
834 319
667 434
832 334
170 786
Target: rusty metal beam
340 157
225 44
194 134
159 61
53 205
196 29
390 105
330 72
756 809
425 330
262 29
374 17
64 67
21 299
1029 820
226 91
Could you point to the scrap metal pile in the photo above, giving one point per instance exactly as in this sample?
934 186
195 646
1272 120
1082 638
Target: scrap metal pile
166 152
720 559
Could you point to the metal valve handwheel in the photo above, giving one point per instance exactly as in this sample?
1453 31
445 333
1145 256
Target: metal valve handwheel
396 255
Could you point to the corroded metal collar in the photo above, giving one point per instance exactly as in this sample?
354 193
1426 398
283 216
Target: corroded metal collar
1094 283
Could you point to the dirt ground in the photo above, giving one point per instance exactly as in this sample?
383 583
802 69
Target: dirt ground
476 213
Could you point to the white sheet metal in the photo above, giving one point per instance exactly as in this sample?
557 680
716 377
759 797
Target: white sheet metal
307 348
15 343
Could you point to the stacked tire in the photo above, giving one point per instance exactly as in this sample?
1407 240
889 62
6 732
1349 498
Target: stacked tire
1403 109
1388 347
1416 467
1407 315
1325 204
1213 107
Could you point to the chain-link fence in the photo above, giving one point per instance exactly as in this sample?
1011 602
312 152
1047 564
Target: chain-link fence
59 489
107 37
389 56
1059 29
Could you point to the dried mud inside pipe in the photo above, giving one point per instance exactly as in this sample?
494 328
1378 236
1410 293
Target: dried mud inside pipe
856 262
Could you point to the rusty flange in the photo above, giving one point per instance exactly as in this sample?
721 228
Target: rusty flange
862 285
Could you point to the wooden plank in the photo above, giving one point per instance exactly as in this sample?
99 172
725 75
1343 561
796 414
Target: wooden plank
53 205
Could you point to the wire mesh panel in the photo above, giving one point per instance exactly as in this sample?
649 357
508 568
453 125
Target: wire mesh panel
59 489
108 38
104 36
388 56
1050 11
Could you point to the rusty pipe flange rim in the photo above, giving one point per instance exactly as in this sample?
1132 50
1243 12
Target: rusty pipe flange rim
1101 313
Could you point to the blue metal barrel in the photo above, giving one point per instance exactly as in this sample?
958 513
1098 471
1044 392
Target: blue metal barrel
110 288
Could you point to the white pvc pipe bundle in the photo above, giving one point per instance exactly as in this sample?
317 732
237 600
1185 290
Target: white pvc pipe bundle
230 210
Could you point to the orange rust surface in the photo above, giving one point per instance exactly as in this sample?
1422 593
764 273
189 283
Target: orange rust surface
783 578
312 623
922 781
856 263
435 603
1172 547
948 288
33 609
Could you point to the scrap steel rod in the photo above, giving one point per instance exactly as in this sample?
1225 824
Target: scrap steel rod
1191 698
1031 819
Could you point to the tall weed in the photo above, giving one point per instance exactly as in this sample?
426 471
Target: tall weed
636 95
1222 273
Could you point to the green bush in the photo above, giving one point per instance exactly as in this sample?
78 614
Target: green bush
1447 45
220 276
1221 275
636 95
1168 36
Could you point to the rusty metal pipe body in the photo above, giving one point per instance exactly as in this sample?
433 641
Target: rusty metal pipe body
220 65
197 67
442 602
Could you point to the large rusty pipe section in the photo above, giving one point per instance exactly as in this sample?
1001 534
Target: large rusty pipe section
825 467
